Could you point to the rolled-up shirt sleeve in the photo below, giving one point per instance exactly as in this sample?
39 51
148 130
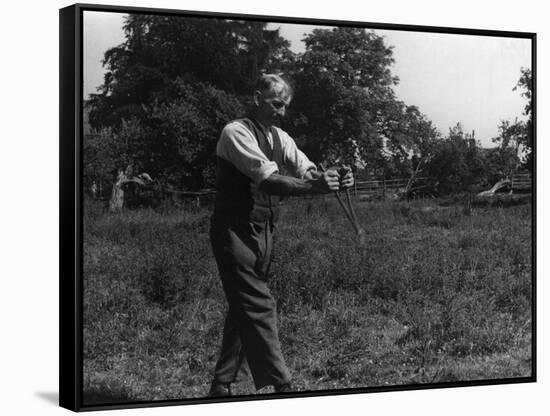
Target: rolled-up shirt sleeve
238 146
293 158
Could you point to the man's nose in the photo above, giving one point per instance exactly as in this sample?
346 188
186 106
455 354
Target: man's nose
281 111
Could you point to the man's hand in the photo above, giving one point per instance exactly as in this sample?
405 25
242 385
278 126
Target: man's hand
346 177
330 180
314 182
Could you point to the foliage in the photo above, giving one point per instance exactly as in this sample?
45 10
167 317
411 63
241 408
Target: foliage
518 136
342 81
174 82
345 109
526 83
108 149
226 54
411 138
457 162
500 162
186 130
173 140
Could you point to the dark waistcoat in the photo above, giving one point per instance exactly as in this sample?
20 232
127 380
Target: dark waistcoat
236 195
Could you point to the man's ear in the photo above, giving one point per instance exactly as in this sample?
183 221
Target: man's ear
257 95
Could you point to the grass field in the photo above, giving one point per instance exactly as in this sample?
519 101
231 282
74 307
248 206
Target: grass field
438 293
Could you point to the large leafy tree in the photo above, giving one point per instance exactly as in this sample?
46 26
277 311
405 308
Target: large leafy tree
345 108
176 81
158 49
410 138
337 79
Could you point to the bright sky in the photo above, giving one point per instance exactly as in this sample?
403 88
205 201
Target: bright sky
450 78
101 32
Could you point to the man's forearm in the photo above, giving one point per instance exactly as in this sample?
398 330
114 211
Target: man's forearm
289 186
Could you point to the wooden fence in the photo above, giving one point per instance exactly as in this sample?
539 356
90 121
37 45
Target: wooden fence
196 196
389 186
521 182
375 188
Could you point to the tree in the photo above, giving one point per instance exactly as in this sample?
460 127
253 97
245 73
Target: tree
172 140
500 163
178 81
518 136
457 162
226 54
106 150
345 109
339 77
410 138
186 130
526 83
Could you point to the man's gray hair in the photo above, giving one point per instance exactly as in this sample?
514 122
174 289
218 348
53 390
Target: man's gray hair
273 82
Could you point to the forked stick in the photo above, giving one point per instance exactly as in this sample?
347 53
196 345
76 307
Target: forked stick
360 232
350 213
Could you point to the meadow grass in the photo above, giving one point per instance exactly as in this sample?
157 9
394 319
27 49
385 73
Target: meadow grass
438 293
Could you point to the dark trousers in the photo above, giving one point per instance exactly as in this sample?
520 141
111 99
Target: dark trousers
250 339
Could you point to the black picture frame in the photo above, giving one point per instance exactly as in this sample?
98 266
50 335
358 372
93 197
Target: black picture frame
71 121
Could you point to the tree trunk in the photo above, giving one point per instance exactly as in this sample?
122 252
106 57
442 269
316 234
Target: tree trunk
117 198
116 202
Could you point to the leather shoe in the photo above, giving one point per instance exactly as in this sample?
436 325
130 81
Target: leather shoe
220 390
283 388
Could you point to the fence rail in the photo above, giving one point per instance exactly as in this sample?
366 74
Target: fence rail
521 182
388 185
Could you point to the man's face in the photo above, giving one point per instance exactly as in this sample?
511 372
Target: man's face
272 104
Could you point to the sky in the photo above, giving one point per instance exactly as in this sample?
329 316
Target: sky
450 78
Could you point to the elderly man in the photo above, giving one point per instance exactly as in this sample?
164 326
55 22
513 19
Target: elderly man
251 153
